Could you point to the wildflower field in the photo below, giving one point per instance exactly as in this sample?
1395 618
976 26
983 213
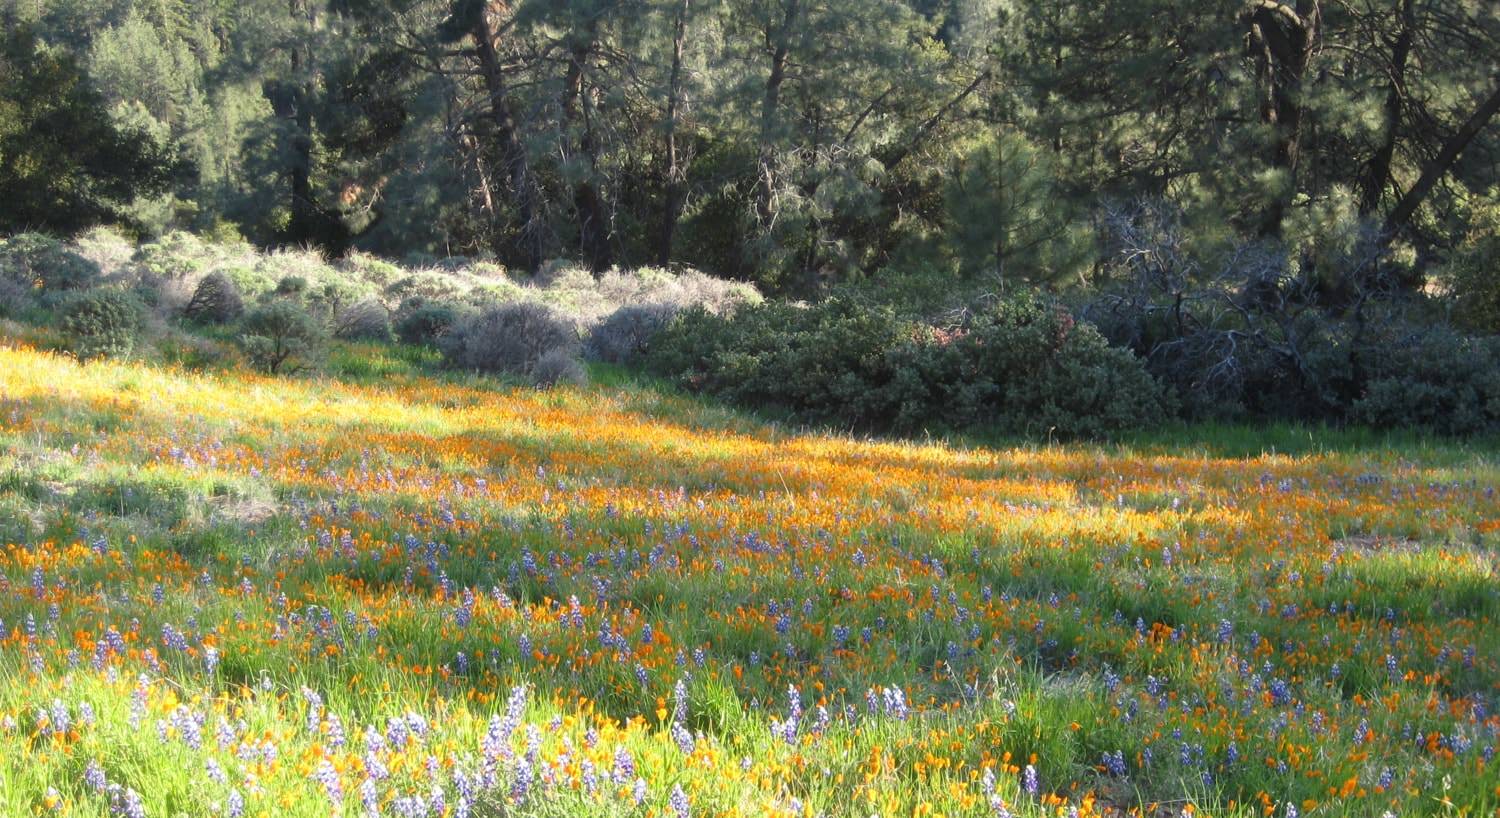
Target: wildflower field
223 594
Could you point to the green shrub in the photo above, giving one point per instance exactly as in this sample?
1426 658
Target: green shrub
291 285
42 264
280 336
423 323
509 339
370 269
1434 378
1474 274
1022 366
827 364
216 300
101 323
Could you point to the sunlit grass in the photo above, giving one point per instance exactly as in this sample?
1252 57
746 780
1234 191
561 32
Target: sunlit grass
358 571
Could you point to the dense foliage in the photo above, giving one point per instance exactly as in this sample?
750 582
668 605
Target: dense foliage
280 336
1018 365
788 142
102 322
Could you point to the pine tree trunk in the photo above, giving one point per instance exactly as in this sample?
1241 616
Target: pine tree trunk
535 235
1282 40
593 226
769 113
1377 173
674 174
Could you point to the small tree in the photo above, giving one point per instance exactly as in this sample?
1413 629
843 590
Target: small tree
215 300
101 323
278 334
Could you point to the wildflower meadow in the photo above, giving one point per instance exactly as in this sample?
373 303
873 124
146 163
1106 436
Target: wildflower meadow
226 594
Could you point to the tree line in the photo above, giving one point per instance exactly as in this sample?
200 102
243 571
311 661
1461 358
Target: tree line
795 143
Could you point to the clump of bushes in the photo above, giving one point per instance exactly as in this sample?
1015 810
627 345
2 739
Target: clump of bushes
509 339
1435 378
558 367
424 323
280 336
42 265
101 323
1257 332
1023 365
364 320
627 334
216 300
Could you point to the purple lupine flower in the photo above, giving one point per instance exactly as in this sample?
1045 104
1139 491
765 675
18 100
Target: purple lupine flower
369 798
679 802
93 776
329 778
895 703
589 777
638 792
521 786
1028 781
624 767
234 804
683 737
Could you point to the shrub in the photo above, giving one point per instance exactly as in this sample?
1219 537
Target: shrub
626 335
43 264
1434 378
509 339
558 367
424 324
101 323
366 320
371 269
15 297
1056 374
1472 273
1023 366
216 300
280 336
291 285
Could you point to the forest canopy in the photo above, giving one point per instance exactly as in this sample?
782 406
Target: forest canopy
794 143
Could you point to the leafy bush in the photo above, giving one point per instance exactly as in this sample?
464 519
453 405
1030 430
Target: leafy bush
423 323
280 336
216 300
558 367
43 264
1433 378
366 320
626 335
101 323
15 297
1474 273
291 285
370 269
509 339
1022 365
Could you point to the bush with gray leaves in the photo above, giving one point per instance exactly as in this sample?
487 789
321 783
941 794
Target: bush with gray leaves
626 335
365 320
508 339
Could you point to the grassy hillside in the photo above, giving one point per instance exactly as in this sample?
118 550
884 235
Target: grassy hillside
228 594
